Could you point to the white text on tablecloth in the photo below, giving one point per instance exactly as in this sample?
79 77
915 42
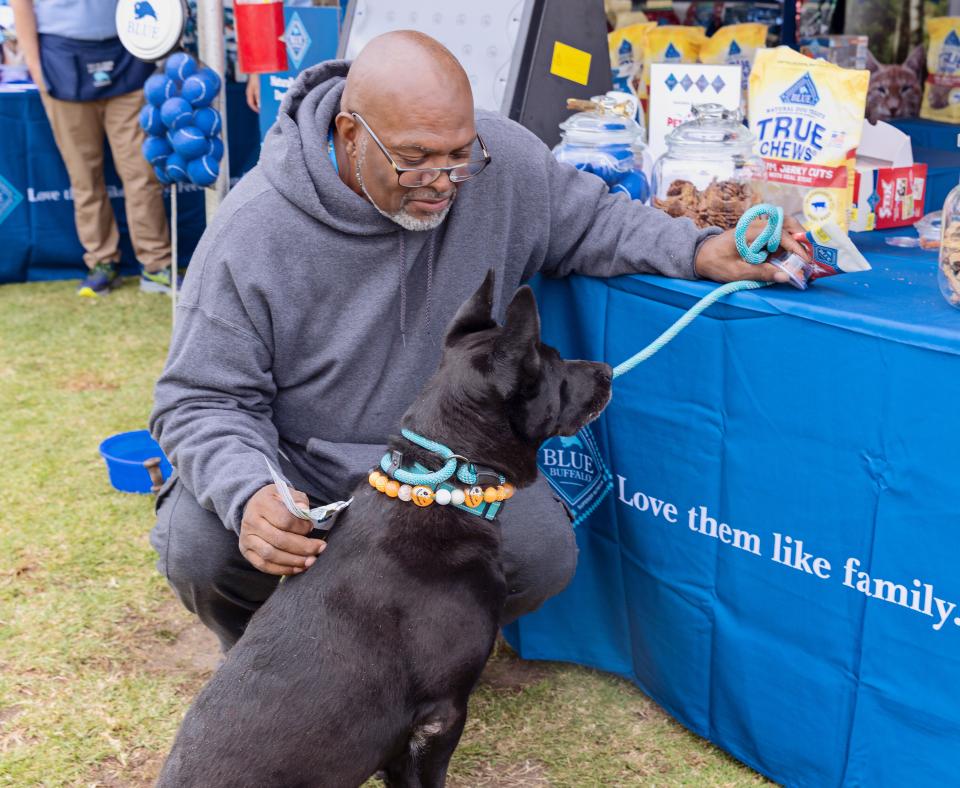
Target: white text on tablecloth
791 552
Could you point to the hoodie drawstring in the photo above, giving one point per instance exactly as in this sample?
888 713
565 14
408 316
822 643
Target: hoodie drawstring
403 288
431 249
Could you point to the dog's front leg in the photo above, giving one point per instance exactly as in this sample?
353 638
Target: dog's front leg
427 756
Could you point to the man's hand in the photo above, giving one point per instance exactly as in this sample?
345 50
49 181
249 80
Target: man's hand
719 260
272 539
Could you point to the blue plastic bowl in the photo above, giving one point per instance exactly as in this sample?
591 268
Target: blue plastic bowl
125 453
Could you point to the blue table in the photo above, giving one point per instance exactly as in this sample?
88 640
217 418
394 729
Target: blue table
38 236
776 563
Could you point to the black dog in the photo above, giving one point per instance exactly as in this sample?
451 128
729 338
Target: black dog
365 663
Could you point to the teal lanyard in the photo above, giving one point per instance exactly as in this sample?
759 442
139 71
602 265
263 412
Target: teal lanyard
332 151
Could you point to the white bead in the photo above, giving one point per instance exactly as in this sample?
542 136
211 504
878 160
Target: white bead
443 497
457 497
405 493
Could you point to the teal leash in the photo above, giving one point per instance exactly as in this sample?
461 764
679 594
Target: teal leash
755 253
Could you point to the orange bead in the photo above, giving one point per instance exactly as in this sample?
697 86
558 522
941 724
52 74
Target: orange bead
382 483
421 496
490 494
508 490
501 493
372 478
392 488
473 497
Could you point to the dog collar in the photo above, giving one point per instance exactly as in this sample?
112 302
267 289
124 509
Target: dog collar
423 487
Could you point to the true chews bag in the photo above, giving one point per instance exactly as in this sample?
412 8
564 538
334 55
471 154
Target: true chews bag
77 70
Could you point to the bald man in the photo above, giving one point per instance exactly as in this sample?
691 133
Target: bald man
317 300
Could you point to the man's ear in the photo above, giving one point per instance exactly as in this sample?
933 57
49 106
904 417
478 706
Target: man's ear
476 314
520 335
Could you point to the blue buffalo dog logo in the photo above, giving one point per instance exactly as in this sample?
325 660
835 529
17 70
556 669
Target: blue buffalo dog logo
575 469
143 9
949 61
297 39
803 92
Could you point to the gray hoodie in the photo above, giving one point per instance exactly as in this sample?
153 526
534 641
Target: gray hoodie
309 322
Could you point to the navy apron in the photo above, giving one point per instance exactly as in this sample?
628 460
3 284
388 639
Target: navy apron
77 70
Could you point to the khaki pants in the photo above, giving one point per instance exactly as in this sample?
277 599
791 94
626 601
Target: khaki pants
78 128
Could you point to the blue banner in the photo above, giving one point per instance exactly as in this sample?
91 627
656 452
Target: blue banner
776 564
311 35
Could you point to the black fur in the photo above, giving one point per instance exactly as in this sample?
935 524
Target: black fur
365 662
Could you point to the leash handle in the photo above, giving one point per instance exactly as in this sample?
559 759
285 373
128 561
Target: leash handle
768 241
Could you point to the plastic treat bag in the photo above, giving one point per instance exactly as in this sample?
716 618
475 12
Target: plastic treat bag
669 44
808 118
941 93
626 55
831 252
736 45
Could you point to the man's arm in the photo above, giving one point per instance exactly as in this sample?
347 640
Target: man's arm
212 418
25 22
600 234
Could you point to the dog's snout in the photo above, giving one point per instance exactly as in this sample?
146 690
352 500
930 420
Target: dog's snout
604 374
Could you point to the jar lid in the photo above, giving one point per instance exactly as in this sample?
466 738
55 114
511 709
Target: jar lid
713 127
601 126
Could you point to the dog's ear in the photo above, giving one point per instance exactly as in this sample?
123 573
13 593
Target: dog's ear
520 335
476 314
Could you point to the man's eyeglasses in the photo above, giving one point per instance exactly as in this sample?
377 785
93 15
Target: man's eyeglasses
414 177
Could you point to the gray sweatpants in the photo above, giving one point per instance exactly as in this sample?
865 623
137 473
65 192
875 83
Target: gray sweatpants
201 558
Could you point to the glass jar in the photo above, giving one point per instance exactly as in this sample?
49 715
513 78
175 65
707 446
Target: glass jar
949 271
606 141
710 172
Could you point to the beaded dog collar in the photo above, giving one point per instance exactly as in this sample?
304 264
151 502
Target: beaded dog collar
423 487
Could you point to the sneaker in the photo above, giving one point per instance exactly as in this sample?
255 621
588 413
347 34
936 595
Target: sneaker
159 281
100 281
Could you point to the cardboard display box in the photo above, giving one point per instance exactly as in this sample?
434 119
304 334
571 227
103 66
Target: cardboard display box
888 188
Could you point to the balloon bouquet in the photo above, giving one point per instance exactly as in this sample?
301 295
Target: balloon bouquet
183 131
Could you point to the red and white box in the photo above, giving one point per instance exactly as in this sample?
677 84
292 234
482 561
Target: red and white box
888 188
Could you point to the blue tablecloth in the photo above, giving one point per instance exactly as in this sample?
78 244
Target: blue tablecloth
38 236
776 563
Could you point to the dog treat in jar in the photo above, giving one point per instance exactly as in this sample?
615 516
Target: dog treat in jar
949 270
709 173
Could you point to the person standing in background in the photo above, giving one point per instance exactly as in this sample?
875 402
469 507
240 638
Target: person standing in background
91 87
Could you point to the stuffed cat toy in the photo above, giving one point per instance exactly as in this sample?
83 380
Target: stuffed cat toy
895 91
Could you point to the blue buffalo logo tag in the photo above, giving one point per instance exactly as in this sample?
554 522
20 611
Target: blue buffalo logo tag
575 469
803 91
144 9
297 39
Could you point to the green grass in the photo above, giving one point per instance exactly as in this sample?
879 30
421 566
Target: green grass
97 661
